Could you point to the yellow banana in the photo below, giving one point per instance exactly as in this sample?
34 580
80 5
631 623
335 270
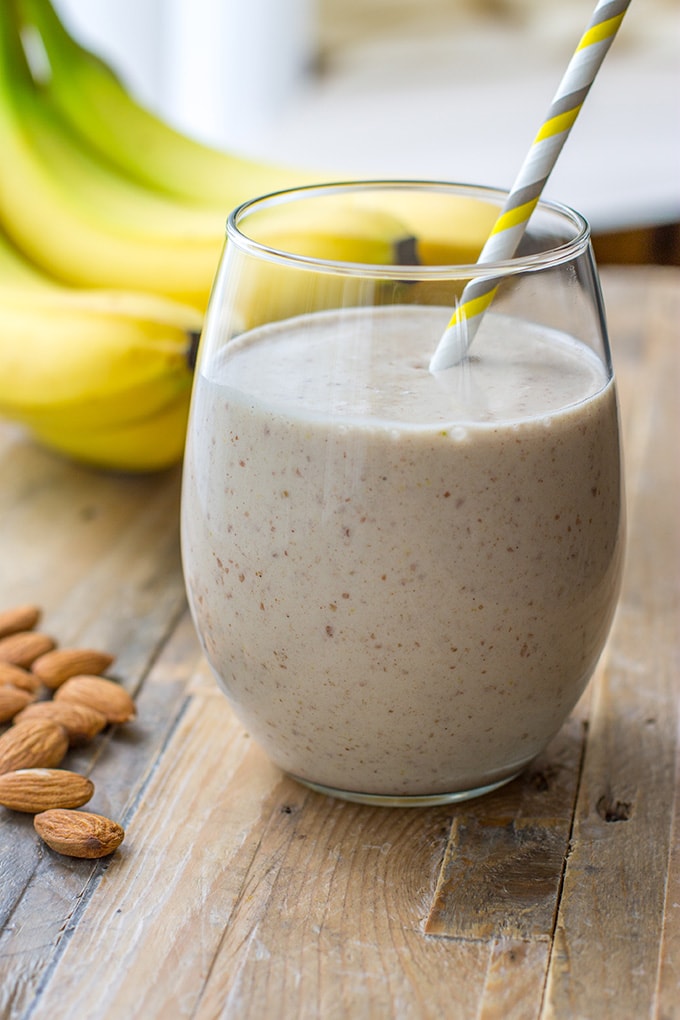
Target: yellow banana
333 226
86 370
449 230
16 270
329 226
100 108
110 269
91 358
101 376
146 444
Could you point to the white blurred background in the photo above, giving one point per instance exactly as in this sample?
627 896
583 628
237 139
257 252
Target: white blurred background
451 89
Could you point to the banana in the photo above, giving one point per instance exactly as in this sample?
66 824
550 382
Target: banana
96 366
103 377
96 103
18 271
331 227
119 204
92 98
91 358
114 227
449 230
150 443
60 227
85 225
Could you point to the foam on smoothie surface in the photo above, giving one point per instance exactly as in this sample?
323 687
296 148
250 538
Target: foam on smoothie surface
379 368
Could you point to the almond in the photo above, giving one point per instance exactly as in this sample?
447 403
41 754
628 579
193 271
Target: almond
56 666
12 700
18 618
81 722
78 833
106 696
18 677
34 790
36 743
23 647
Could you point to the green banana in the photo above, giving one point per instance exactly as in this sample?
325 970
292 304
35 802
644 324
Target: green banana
86 225
56 226
92 98
118 204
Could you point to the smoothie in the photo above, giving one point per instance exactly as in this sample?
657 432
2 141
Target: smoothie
403 580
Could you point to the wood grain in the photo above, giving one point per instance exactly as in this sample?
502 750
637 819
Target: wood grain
611 916
504 863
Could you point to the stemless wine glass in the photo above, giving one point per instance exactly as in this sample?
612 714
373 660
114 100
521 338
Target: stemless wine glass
402 579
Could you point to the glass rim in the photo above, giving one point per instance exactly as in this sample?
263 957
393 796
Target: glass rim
550 257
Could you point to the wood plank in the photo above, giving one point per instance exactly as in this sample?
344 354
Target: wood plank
53 896
512 990
59 520
668 986
502 879
160 911
608 938
503 867
105 551
330 920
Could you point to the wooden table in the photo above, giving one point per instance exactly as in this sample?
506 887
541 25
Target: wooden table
237 893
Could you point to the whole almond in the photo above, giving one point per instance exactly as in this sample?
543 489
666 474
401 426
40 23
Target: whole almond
17 676
24 647
106 696
56 666
78 833
12 700
81 722
36 743
18 618
34 790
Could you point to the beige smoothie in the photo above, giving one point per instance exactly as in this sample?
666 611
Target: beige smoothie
403 579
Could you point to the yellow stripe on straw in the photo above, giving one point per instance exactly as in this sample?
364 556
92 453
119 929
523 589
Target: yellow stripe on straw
597 33
512 217
554 126
475 306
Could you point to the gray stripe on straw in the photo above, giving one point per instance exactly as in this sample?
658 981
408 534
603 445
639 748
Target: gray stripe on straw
523 195
478 288
608 11
568 102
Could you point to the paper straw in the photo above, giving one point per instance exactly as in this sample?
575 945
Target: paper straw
526 191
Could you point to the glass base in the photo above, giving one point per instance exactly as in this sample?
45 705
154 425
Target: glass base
397 800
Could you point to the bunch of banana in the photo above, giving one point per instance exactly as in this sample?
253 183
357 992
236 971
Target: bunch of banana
74 214
100 192
96 104
111 228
